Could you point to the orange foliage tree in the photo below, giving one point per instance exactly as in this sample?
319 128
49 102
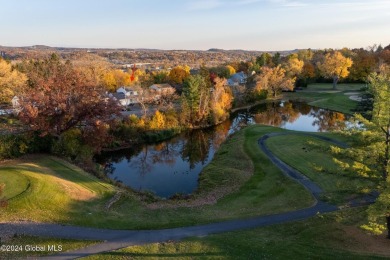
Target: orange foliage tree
60 97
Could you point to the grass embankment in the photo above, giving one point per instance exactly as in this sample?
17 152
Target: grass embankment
322 95
64 194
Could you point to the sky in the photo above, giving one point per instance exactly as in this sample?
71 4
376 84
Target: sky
264 25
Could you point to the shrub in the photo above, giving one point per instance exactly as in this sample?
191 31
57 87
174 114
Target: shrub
12 146
68 144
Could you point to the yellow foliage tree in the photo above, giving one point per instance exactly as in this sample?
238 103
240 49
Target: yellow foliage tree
158 121
10 81
138 74
122 78
294 66
221 100
231 70
179 73
109 81
274 80
114 79
335 66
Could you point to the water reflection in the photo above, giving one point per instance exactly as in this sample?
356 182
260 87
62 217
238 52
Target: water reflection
292 115
173 166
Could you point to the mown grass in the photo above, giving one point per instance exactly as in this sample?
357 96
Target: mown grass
313 158
55 187
25 242
62 193
330 236
322 95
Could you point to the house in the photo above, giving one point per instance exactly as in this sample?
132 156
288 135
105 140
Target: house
237 79
127 96
120 97
162 89
128 91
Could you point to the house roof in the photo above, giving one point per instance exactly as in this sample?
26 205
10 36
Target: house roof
238 76
160 86
118 96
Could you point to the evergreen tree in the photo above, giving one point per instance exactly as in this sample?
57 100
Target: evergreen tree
370 155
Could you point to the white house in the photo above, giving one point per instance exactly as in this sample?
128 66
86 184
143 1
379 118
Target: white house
127 91
127 96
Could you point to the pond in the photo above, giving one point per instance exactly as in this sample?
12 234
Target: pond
173 166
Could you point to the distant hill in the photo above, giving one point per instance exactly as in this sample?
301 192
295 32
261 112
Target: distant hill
122 56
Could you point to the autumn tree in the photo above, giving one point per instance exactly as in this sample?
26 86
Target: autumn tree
109 82
60 97
384 56
220 100
274 80
363 65
158 121
135 75
335 66
11 81
293 66
92 65
370 155
231 70
179 73
122 78
305 55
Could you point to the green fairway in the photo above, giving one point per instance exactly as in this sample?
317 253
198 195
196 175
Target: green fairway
322 95
313 158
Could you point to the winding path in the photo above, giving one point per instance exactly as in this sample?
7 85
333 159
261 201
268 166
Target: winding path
116 239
